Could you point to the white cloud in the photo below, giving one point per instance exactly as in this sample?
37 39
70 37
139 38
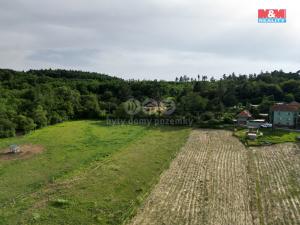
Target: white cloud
150 38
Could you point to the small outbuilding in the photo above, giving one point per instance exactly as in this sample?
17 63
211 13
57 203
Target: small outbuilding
251 136
253 133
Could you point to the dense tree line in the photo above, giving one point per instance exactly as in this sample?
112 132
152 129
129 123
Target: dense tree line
37 98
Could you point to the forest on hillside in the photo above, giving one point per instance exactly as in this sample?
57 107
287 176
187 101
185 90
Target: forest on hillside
37 98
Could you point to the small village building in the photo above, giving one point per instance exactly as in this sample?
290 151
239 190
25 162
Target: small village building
253 133
243 117
255 123
286 115
251 136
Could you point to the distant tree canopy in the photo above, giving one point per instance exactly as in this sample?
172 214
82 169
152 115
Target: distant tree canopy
37 98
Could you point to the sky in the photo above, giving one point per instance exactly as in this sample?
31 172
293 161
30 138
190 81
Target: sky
149 39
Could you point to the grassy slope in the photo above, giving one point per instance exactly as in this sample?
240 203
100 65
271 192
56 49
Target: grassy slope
102 172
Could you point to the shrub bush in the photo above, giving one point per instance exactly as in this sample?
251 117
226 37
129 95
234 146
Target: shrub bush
7 128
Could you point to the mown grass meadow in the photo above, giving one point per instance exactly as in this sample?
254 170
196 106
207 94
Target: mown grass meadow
89 173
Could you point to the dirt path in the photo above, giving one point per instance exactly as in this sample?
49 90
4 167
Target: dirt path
206 184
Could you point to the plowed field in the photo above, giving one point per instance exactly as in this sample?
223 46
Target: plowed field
215 180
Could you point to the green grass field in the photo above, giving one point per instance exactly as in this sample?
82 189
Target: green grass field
89 173
269 137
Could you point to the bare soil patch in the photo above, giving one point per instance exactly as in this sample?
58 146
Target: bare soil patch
27 151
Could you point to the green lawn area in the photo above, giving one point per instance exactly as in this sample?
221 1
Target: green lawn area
89 173
269 137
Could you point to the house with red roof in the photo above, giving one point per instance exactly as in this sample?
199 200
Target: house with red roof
243 117
286 115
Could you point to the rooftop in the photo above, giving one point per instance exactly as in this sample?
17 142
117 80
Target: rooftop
290 107
245 113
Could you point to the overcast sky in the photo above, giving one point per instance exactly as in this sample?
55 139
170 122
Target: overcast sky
151 39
